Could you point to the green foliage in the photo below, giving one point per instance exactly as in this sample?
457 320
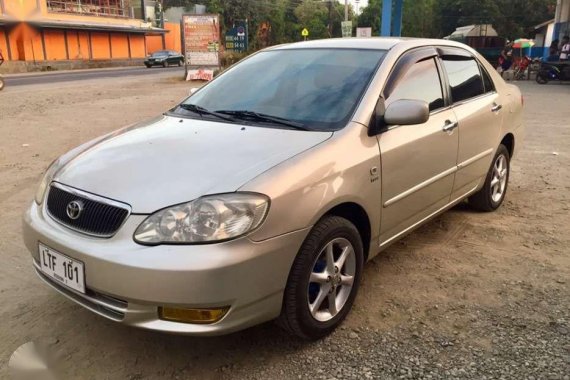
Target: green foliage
421 18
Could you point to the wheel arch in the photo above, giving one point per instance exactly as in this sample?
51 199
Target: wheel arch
358 216
509 142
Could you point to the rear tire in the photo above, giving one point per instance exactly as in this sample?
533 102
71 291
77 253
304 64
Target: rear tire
491 196
324 279
541 78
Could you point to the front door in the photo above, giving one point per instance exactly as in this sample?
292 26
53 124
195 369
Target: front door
418 161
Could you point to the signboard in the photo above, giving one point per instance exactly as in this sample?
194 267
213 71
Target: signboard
237 37
201 74
201 40
364 32
346 27
305 32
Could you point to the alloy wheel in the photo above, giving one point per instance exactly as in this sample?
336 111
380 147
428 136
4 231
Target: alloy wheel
499 179
331 280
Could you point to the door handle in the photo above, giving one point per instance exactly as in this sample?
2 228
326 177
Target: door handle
496 107
449 126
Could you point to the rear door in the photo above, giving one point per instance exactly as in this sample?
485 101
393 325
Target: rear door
418 161
479 112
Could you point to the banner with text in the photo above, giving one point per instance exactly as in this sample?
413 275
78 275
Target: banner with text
201 35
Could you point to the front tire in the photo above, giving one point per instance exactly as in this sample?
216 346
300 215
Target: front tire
491 196
1 83
324 279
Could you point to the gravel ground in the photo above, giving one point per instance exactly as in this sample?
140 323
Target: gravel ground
469 295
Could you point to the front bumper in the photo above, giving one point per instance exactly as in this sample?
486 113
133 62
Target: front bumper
127 282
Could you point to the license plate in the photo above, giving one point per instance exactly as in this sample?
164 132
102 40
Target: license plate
63 269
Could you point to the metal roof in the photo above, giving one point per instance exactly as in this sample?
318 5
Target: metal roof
94 26
7 20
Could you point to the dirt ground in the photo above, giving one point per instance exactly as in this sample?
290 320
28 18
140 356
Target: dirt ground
485 294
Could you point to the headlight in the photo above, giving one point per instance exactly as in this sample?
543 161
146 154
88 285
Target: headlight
208 219
46 179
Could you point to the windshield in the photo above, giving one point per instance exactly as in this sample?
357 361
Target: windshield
160 54
314 88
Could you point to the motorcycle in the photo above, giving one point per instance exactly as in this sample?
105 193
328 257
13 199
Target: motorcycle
553 71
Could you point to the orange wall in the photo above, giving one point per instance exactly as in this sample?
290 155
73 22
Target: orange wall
78 45
138 46
120 45
33 46
28 44
3 44
153 43
55 45
100 45
173 41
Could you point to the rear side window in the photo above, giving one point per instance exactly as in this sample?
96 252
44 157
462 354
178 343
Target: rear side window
421 82
464 77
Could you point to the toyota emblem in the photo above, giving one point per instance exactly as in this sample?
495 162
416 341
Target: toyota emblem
74 209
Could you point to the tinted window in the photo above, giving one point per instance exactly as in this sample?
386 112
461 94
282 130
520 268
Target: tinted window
319 88
487 82
464 77
421 82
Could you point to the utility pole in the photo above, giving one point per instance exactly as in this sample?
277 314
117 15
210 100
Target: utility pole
330 18
345 10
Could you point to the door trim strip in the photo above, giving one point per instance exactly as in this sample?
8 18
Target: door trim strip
474 158
420 186
449 205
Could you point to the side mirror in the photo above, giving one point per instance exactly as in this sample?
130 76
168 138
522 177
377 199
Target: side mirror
193 90
406 112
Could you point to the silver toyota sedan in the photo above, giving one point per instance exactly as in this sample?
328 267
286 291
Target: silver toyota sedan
262 195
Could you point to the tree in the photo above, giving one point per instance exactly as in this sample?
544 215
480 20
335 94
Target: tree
313 16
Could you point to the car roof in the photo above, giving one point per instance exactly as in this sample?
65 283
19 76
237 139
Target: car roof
375 43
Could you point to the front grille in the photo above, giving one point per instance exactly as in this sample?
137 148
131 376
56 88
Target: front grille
99 216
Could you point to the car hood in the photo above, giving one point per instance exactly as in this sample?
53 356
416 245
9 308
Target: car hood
171 160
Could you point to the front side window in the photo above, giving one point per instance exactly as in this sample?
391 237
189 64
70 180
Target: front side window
464 77
316 88
421 82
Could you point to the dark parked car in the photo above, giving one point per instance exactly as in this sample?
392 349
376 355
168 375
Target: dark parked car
164 58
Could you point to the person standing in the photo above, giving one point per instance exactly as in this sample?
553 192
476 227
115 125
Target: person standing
506 58
553 54
565 49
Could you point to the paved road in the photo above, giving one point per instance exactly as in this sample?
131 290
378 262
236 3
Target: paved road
68 76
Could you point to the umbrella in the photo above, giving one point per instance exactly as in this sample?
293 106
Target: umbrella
522 43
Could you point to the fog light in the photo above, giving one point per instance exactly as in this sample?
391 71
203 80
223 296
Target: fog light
201 316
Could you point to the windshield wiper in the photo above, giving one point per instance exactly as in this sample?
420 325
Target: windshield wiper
264 117
202 111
